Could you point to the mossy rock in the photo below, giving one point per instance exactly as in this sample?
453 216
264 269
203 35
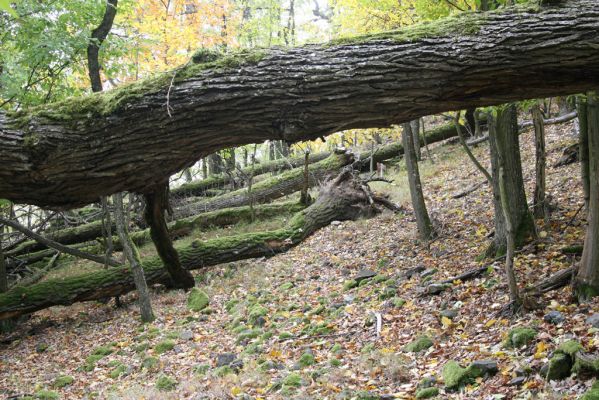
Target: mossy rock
165 383
397 302
559 367
90 362
248 334
427 393
285 335
388 293
231 305
519 337
197 300
348 285
103 351
255 312
335 362
164 346
46 395
306 360
570 347
454 375
423 342
62 381
287 286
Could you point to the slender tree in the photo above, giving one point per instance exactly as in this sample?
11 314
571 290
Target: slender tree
425 227
540 206
132 256
415 125
587 279
583 124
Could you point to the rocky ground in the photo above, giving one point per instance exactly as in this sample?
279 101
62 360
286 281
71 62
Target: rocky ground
345 315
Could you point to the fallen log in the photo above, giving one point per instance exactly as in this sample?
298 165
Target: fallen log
182 227
293 180
200 187
526 124
344 198
71 153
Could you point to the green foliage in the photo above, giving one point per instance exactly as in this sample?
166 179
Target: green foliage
427 393
150 363
306 360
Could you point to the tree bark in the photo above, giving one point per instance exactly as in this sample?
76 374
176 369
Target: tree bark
342 199
156 204
505 150
425 227
97 38
583 147
70 153
587 280
415 124
539 207
132 256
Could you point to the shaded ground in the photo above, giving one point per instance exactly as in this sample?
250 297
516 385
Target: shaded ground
300 332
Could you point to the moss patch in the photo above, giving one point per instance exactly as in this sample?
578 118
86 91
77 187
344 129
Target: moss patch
165 383
164 346
519 337
421 343
427 393
197 300
62 381
454 375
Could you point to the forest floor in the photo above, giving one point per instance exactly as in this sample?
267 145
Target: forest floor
292 326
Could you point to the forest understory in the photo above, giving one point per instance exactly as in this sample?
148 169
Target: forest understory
338 316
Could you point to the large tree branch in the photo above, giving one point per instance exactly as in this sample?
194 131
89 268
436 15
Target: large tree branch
71 153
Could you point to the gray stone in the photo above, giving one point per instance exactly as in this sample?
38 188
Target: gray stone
186 335
436 288
484 368
451 314
364 274
594 320
260 321
554 317
225 359
413 271
517 381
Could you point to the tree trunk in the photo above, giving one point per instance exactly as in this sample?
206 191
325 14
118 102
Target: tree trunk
425 227
98 36
342 199
471 123
132 255
215 164
505 150
587 279
583 140
124 139
415 125
540 206
156 204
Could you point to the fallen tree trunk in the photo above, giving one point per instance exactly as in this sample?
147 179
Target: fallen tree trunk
71 153
184 227
292 181
200 187
342 199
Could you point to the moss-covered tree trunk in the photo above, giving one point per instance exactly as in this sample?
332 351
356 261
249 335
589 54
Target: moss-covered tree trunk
71 153
587 279
156 205
342 199
504 146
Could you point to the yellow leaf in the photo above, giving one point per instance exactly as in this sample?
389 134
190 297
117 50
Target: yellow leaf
446 322
236 391
490 323
541 350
